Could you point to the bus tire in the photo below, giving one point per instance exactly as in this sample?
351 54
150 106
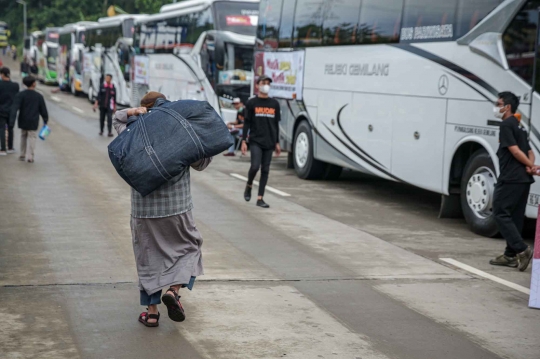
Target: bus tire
305 165
477 189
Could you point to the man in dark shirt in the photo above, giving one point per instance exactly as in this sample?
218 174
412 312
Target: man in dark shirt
237 126
262 118
30 105
106 100
8 91
516 163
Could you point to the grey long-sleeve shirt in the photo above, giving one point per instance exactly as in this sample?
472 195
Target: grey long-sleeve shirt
173 198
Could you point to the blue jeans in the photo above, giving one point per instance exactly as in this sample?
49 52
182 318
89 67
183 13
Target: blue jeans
155 298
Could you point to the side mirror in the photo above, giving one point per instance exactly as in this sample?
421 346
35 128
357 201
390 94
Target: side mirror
219 53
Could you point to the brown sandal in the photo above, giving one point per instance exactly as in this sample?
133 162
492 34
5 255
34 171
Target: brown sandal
143 318
174 307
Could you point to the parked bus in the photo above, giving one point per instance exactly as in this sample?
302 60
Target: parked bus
70 55
198 49
4 34
33 56
108 50
49 51
403 90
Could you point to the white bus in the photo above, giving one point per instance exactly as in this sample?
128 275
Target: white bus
404 90
108 51
33 54
198 49
70 55
48 51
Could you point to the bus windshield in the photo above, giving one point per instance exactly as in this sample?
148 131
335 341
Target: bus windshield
53 37
238 17
81 35
128 28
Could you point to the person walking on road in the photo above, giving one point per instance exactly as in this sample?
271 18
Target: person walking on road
237 126
516 162
30 104
166 241
106 101
8 91
262 118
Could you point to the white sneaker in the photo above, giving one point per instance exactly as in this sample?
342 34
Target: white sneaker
3 153
11 151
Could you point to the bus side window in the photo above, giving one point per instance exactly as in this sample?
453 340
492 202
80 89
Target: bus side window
287 23
519 41
380 21
471 12
340 23
308 21
269 20
429 20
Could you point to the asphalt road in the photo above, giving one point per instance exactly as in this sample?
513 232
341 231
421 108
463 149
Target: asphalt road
343 269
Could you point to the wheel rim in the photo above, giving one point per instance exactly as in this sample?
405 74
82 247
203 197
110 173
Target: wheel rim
301 149
480 189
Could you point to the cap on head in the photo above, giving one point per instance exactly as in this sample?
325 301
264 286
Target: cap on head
236 100
150 99
264 78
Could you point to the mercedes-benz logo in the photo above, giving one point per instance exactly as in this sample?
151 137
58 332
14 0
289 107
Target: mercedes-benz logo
444 83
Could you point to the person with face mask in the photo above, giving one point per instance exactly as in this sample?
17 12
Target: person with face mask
262 116
237 126
516 163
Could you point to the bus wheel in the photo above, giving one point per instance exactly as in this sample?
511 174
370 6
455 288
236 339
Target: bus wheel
305 165
477 189
91 93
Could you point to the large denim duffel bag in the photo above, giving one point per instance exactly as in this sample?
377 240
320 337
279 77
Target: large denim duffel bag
159 145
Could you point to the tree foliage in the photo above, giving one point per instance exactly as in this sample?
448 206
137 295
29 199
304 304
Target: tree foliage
43 13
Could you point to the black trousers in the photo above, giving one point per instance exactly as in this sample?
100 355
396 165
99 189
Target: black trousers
260 158
3 122
509 204
105 112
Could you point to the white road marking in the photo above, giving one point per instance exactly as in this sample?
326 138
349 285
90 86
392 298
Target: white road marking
256 183
483 274
77 109
55 98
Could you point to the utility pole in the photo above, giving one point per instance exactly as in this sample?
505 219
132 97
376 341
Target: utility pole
23 3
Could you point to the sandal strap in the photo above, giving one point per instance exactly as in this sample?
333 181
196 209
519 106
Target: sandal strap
176 296
153 316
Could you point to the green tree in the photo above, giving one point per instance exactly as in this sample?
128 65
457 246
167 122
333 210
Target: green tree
43 13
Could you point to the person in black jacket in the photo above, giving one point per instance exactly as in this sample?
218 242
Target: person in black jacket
106 100
30 105
8 91
516 162
262 116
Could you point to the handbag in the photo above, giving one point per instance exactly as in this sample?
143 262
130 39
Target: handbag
158 146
